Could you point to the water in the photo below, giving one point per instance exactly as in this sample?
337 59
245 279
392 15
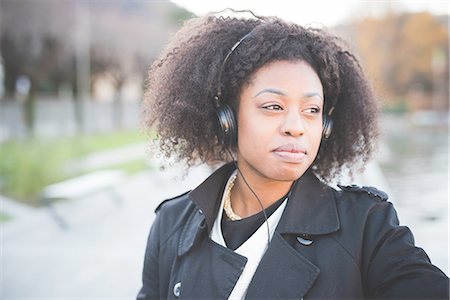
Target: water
416 168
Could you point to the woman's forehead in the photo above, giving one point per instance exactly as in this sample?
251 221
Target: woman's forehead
284 76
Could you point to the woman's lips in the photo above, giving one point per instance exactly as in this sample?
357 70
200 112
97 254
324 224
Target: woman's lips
291 153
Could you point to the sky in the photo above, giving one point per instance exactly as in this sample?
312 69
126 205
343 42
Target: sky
324 12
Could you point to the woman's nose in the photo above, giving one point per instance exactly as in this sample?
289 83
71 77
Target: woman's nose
293 125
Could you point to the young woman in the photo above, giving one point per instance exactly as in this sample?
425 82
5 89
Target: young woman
285 109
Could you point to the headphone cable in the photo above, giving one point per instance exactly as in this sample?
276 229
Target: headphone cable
253 192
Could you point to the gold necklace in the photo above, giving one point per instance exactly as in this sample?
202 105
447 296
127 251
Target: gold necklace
227 201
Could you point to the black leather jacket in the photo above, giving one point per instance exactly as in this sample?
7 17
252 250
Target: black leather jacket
328 244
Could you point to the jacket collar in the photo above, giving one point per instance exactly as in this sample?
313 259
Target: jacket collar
311 208
207 196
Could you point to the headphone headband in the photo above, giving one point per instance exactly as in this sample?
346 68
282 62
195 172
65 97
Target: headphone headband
227 131
219 82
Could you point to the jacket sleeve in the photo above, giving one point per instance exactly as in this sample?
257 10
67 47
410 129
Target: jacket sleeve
396 268
150 274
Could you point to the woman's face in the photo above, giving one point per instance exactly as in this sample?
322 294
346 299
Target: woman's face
280 121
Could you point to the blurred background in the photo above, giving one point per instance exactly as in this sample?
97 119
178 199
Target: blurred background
79 183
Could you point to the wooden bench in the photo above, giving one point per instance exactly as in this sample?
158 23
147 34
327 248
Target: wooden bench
82 186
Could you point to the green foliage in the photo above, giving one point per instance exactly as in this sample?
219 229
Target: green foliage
396 107
28 166
97 142
178 15
4 217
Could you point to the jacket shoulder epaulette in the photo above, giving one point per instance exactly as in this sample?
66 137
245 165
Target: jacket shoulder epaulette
369 190
170 199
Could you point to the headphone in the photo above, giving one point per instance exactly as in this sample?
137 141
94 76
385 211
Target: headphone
227 129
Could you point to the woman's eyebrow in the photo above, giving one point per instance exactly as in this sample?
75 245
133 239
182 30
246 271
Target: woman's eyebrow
270 90
312 94
281 93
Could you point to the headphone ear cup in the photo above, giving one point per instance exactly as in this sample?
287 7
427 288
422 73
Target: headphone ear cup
327 127
227 132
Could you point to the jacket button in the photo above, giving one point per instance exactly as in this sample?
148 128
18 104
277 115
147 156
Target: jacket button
304 241
176 289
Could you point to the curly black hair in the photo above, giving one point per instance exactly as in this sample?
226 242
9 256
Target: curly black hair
178 101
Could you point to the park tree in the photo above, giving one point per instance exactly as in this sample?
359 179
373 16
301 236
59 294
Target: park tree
34 45
52 42
405 53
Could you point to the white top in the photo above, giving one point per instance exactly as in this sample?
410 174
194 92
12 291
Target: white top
253 248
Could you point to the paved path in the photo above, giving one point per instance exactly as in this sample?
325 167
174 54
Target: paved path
99 254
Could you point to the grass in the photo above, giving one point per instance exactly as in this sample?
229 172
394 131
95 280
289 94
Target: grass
92 143
4 217
131 167
27 166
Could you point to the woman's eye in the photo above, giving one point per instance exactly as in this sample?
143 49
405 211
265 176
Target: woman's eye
312 110
273 107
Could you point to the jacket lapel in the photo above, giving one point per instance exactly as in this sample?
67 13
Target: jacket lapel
220 265
283 273
211 272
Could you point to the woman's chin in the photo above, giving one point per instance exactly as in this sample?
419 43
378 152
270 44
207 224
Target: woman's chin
289 174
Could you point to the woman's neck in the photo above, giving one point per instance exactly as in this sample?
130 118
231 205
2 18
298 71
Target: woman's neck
243 200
